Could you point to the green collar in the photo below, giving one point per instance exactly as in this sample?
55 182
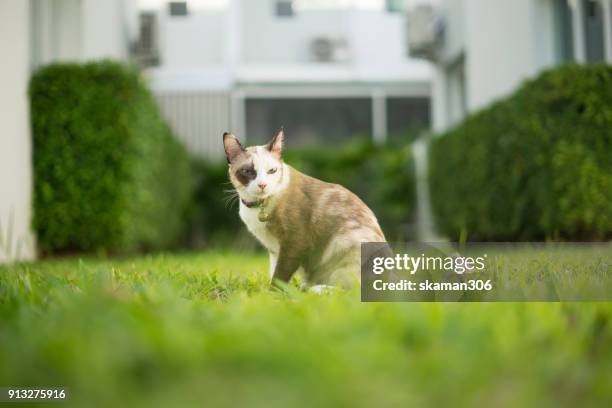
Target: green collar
253 204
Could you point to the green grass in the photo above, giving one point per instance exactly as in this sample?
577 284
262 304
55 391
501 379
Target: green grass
204 330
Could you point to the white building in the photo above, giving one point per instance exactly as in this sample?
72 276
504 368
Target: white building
326 70
484 49
35 32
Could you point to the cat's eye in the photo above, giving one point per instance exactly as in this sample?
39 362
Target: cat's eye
247 172
272 171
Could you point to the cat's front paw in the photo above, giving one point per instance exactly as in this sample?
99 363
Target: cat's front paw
278 286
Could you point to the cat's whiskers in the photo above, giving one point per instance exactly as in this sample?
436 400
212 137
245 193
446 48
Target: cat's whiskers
232 197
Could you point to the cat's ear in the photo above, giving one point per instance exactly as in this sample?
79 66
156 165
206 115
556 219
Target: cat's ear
232 147
276 144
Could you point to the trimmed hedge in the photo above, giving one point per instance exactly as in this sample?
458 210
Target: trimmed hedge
108 174
536 165
383 177
214 216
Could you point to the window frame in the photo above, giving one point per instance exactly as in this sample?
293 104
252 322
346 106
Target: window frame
278 6
172 9
579 35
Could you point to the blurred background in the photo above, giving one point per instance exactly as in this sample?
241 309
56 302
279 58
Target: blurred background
399 100
327 70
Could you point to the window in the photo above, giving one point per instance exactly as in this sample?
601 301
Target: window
145 51
178 8
309 121
284 8
564 28
593 21
407 117
394 6
581 27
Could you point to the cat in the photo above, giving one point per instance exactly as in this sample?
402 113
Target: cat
303 222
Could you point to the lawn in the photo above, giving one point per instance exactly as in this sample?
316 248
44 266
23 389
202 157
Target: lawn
204 330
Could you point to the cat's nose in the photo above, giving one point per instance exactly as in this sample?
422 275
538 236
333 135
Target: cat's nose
262 186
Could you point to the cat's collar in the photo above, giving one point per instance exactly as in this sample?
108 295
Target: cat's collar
263 216
252 204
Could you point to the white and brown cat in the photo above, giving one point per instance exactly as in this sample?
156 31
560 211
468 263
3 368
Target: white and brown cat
304 223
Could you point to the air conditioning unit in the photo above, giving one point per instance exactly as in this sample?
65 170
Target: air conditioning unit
145 51
425 31
325 49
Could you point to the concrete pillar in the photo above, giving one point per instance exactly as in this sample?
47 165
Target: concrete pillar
238 115
16 238
379 116
233 36
578 27
607 17
439 99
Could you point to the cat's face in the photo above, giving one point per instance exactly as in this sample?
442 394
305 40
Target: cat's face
256 172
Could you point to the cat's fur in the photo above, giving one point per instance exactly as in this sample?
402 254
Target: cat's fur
314 226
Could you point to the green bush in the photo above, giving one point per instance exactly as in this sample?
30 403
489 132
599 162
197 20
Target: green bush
108 173
383 177
536 165
214 216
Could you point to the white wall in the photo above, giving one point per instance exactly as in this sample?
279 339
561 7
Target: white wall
454 39
375 37
56 31
268 39
105 29
503 43
15 148
507 42
198 39
377 42
81 30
